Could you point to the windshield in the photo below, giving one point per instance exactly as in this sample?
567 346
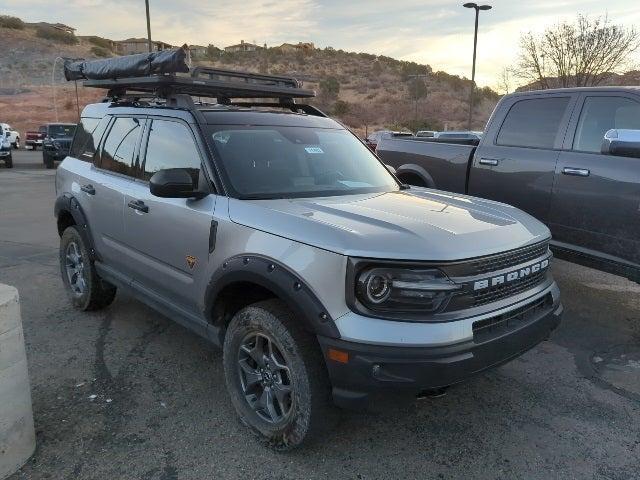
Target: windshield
287 162
59 131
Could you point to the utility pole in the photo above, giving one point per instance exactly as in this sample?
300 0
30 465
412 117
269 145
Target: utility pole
477 8
146 2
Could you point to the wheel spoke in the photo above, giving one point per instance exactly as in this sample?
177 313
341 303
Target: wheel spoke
267 402
251 375
281 392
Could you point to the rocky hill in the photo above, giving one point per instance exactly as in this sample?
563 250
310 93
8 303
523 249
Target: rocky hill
365 91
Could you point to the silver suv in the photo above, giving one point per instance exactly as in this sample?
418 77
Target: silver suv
273 232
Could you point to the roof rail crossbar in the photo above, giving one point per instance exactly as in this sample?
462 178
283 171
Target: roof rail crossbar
294 107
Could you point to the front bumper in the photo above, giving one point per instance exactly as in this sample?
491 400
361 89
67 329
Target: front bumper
379 369
57 155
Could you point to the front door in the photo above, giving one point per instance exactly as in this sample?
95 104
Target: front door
168 238
516 161
596 198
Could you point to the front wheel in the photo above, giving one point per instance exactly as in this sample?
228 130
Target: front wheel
9 162
48 161
276 376
86 290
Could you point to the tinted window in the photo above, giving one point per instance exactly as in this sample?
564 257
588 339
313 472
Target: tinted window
533 123
120 145
284 162
600 114
87 138
170 145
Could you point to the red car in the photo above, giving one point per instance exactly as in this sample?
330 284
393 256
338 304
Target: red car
34 139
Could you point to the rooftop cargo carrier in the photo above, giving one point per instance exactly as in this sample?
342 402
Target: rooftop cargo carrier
149 75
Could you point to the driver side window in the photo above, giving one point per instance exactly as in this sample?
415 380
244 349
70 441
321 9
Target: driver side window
600 114
170 145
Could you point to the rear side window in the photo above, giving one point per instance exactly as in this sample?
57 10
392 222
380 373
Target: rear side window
120 146
600 114
533 123
170 145
87 138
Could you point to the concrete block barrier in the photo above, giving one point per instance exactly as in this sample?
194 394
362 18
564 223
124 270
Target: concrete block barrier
17 435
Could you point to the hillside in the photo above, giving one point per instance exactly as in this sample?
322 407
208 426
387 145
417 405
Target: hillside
365 91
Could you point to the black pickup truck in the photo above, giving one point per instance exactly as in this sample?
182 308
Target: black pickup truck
569 157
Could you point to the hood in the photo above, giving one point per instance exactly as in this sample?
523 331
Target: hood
414 224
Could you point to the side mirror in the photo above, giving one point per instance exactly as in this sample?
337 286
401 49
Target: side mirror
622 143
174 183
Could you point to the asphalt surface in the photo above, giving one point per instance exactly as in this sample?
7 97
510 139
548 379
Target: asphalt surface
126 393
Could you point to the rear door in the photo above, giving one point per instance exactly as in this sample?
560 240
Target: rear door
168 239
596 198
516 160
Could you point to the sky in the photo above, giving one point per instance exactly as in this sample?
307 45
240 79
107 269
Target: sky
437 32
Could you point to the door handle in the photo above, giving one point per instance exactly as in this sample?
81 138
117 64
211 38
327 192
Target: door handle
578 172
88 189
138 205
489 161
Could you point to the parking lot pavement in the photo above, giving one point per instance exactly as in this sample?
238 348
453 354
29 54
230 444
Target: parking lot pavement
126 393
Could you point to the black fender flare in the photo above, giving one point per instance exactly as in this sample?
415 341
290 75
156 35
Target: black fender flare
68 203
416 170
279 279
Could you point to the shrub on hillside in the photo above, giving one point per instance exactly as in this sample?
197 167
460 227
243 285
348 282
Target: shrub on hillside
55 35
341 108
103 43
7 21
330 87
100 52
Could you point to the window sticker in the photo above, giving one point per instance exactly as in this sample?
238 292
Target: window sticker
313 150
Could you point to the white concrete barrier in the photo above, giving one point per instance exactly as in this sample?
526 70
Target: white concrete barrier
17 435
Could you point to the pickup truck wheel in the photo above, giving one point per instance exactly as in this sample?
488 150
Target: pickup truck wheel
16 144
276 376
9 162
85 288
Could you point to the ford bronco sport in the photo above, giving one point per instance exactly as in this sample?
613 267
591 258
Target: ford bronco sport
272 231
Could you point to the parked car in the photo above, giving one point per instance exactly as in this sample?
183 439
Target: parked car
34 138
5 150
56 143
569 157
273 232
426 133
372 140
12 135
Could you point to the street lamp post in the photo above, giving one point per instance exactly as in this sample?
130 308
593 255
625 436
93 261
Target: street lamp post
146 2
477 8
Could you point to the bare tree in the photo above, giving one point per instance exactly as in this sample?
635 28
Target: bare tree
576 54
504 84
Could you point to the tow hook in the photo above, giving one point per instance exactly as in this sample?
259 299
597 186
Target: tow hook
433 393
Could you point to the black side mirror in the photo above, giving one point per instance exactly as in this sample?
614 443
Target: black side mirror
622 143
174 183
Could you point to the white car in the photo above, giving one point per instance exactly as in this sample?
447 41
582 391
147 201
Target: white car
12 135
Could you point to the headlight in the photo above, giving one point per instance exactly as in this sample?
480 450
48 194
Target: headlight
402 289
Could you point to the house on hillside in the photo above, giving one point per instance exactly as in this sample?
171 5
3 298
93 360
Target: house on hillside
131 46
197 51
297 47
242 47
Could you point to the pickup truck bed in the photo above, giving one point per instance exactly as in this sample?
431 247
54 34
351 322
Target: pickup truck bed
542 152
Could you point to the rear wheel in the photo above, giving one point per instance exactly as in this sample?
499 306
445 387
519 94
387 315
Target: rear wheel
86 290
9 161
276 376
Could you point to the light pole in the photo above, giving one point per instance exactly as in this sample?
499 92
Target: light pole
415 86
477 8
146 3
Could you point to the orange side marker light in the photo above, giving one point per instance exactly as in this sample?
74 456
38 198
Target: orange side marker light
338 356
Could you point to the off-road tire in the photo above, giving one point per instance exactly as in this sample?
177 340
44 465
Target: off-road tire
9 162
47 160
98 293
311 411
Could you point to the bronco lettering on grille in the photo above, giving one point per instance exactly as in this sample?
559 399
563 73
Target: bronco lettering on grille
511 276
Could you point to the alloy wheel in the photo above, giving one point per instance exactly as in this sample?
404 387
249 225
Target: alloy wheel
74 266
265 377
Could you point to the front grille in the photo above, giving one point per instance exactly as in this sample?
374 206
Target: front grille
508 259
498 292
493 327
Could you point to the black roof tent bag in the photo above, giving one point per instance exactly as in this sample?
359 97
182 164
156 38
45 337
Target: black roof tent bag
176 60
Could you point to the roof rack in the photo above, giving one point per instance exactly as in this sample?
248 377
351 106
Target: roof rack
223 85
